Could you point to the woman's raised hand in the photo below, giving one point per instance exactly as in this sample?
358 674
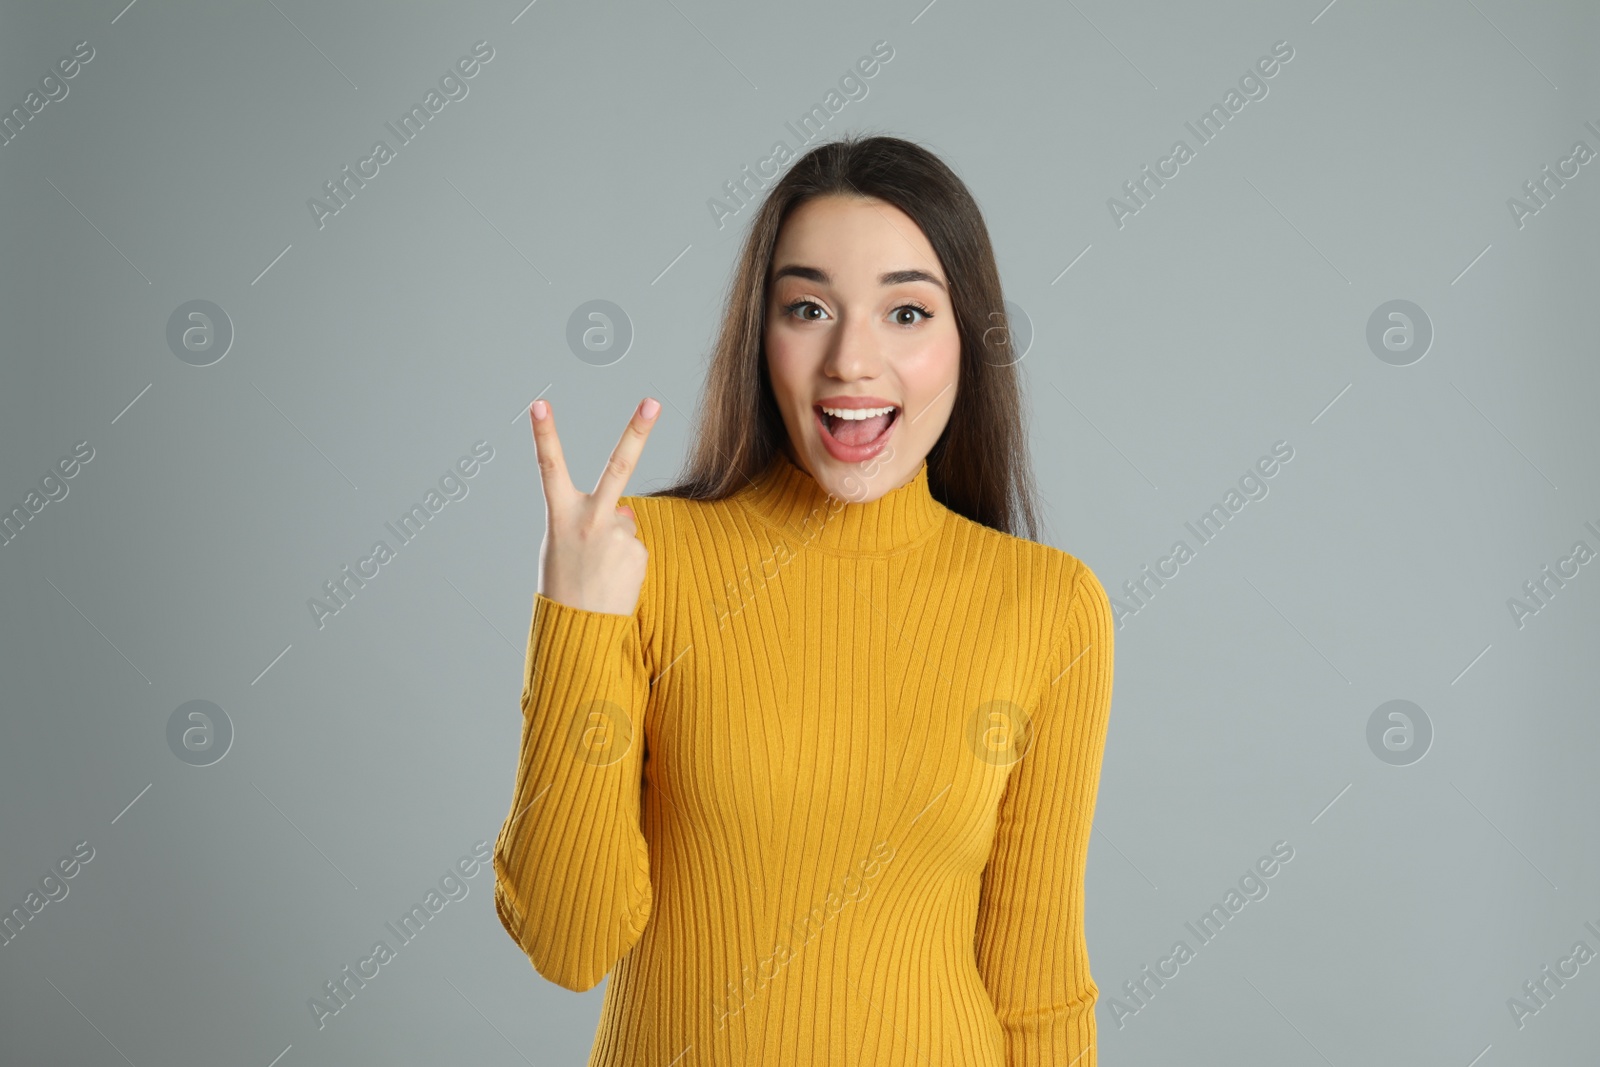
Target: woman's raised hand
591 557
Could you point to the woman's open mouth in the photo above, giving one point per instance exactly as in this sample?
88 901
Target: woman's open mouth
855 434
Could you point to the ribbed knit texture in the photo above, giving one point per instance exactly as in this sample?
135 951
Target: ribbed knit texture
825 797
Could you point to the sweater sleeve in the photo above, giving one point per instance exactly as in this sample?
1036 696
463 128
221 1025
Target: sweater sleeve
572 868
1031 950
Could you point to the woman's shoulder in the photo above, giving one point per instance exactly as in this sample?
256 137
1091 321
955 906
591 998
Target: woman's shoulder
1049 583
669 520
647 503
1038 565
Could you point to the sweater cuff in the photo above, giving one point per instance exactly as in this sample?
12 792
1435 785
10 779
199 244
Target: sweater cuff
569 646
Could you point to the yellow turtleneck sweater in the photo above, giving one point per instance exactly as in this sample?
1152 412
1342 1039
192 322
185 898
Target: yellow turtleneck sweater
825 797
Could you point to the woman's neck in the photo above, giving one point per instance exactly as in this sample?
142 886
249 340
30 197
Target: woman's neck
788 497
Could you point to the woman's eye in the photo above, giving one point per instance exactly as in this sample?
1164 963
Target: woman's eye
798 304
801 309
916 309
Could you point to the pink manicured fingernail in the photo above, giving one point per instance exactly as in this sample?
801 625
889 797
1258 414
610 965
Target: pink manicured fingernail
649 408
540 409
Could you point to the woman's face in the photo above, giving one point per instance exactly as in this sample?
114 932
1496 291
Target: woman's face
859 317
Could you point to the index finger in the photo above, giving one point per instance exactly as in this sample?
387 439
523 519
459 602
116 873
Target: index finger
626 455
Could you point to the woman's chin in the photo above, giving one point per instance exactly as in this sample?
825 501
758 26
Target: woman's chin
855 483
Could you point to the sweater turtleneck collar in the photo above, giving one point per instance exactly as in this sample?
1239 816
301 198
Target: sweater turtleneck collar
789 498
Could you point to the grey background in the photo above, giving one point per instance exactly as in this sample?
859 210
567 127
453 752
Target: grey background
1229 313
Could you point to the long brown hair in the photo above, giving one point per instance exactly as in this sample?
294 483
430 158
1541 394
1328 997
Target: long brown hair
979 467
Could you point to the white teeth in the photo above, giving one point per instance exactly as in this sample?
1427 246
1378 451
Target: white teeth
855 414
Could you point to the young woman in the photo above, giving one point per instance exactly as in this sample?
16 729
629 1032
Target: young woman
811 740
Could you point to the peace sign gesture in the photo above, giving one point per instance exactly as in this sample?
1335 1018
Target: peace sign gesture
591 557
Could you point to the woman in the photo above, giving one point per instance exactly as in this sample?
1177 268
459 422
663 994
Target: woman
811 739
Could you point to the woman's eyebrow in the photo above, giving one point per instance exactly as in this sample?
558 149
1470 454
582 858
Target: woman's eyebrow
821 277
